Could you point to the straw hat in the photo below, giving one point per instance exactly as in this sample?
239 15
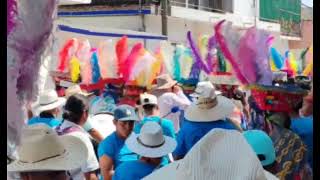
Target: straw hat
151 142
209 106
164 81
75 89
221 154
42 149
224 79
48 100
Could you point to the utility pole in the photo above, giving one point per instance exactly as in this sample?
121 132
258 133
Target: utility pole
164 18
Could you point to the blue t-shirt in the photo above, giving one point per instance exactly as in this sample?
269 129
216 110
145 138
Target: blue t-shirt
167 128
303 126
191 132
51 122
133 170
115 148
167 125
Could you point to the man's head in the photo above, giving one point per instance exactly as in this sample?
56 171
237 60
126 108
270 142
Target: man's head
49 104
124 117
149 104
45 155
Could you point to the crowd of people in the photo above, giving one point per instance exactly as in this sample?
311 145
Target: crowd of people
213 133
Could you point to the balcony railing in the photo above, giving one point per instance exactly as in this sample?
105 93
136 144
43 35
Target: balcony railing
186 4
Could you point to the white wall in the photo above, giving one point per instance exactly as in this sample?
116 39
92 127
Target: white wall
244 7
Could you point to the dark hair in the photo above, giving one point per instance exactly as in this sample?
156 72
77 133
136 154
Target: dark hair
46 114
272 168
148 108
75 106
297 106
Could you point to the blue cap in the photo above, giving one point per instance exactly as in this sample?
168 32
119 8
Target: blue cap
125 113
262 145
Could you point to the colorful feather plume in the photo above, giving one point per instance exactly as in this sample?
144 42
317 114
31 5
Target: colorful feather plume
11 15
308 70
27 44
276 58
250 64
186 63
84 55
222 65
212 44
293 64
95 67
68 50
122 52
203 45
103 58
176 63
74 69
131 60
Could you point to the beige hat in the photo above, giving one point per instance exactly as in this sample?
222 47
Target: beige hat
151 142
209 106
75 89
41 149
146 98
164 81
48 100
221 154
224 79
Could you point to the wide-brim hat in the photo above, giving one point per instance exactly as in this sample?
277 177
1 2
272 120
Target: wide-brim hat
221 110
76 89
164 81
151 142
170 172
220 154
74 155
48 100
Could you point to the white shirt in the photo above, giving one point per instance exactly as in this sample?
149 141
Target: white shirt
92 163
169 100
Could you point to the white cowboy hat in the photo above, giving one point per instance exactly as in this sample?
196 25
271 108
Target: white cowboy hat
151 142
41 149
48 100
103 123
221 154
164 81
209 106
75 89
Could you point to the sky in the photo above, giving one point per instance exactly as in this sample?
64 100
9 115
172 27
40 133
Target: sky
308 2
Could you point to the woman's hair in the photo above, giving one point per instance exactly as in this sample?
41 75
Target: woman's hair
75 106
46 114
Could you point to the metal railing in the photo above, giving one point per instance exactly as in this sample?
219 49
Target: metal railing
195 6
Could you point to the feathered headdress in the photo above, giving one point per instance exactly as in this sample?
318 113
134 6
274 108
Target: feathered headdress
250 64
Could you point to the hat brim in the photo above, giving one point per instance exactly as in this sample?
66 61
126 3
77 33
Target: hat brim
223 109
168 147
170 172
198 95
165 86
75 155
129 119
61 101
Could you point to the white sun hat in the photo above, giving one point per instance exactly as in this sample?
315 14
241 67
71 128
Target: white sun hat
221 154
151 142
41 149
75 89
209 106
48 100
146 98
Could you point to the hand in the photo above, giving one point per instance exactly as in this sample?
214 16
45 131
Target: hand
176 89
